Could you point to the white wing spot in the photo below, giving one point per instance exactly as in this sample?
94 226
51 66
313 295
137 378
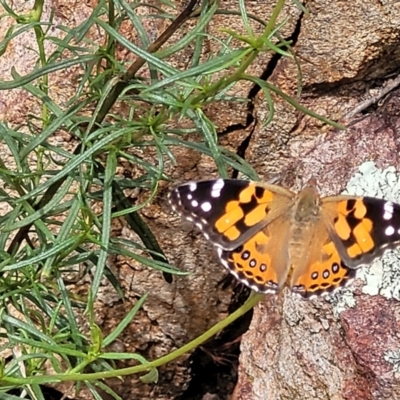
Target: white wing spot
216 188
389 231
194 203
389 209
192 186
189 196
206 207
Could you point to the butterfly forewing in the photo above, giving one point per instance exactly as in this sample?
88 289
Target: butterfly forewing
227 211
363 228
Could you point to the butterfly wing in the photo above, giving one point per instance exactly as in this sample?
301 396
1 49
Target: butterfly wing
229 212
262 262
363 228
353 231
323 270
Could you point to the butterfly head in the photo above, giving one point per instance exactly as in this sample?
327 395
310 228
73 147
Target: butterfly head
308 204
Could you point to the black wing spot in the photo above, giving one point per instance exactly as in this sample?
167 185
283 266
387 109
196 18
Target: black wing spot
314 275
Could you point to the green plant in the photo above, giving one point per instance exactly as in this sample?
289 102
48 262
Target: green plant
51 226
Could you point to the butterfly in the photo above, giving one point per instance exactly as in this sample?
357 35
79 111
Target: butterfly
269 237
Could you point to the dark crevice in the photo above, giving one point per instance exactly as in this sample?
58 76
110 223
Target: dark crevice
214 366
273 62
374 74
360 82
265 75
241 150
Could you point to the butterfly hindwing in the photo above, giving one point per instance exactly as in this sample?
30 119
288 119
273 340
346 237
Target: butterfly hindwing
261 262
228 211
324 272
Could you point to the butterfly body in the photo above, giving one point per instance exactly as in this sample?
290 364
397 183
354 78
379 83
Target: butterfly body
270 237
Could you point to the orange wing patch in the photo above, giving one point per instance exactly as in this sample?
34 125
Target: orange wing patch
354 228
251 262
324 275
249 210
